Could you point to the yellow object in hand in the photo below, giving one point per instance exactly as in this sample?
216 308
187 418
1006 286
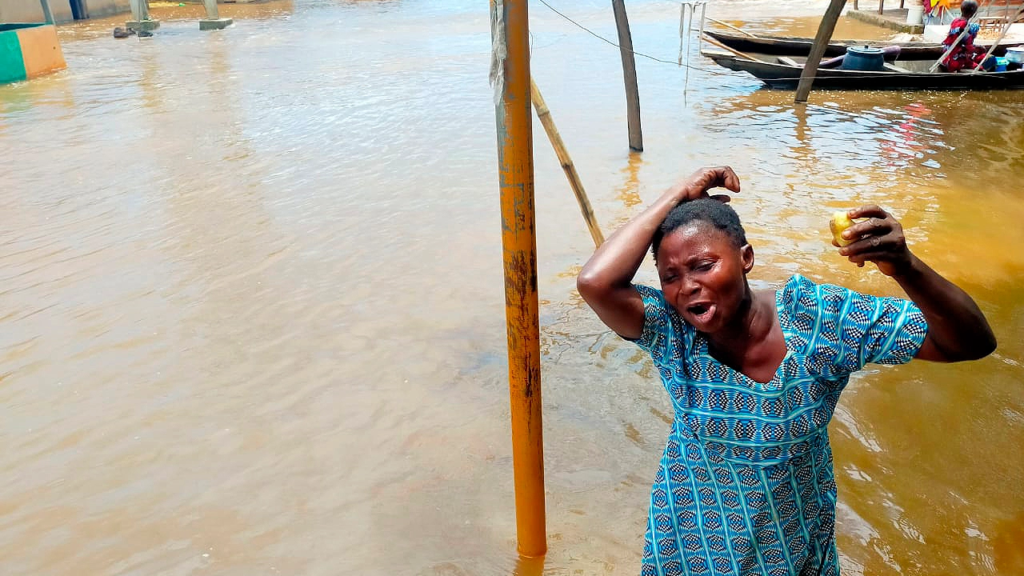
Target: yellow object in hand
840 221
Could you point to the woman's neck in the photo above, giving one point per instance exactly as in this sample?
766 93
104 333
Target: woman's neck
752 324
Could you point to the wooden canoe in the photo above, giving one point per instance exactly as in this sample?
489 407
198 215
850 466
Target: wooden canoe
784 73
794 46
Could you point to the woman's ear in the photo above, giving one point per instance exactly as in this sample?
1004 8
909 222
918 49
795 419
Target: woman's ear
747 254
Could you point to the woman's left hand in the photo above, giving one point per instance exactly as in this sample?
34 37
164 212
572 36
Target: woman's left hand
878 239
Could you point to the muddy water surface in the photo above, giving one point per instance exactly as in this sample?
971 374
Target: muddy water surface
251 311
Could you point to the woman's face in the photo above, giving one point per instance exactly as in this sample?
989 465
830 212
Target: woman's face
703 275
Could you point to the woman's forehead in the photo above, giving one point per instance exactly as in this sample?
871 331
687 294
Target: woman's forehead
698 231
695 237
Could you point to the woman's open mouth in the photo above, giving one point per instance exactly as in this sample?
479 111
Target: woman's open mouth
702 312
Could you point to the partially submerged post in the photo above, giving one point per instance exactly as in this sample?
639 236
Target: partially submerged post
636 138
821 40
213 20
510 75
140 17
47 13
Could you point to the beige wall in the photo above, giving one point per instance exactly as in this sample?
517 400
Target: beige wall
31 11
100 8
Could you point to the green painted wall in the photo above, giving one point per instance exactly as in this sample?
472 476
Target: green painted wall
12 67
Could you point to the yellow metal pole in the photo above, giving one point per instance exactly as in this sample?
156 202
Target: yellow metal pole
511 46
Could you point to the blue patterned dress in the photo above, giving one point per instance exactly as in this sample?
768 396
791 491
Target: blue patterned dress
745 486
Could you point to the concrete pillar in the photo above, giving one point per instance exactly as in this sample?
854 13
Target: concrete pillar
140 17
213 20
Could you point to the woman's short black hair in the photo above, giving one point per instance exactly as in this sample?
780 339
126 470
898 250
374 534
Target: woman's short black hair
717 214
968 8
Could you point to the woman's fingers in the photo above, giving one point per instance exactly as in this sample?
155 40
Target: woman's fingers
868 211
884 243
872 226
717 177
870 256
723 198
728 178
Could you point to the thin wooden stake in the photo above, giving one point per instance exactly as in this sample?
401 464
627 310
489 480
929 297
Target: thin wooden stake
636 137
825 29
712 40
544 115
727 25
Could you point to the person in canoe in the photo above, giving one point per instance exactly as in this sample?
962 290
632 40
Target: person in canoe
746 484
965 56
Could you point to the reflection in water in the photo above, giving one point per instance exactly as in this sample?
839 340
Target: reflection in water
529 567
629 193
251 297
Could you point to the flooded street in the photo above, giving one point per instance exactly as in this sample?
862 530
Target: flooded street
252 311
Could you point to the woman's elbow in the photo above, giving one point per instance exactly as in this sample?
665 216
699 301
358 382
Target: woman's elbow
985 346
979 347
588 284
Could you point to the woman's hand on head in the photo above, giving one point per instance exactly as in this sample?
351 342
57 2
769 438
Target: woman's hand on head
877 239
704 179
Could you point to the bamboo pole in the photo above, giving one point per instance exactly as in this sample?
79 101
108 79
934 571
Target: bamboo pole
821 40
727 25
881 6
711 40
514 119
544 115
636 137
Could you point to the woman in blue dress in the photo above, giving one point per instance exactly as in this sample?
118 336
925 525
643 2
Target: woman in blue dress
746 486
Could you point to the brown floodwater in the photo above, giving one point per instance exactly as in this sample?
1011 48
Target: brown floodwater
251 309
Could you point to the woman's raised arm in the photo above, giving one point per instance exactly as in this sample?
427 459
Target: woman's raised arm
957 329
606 281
